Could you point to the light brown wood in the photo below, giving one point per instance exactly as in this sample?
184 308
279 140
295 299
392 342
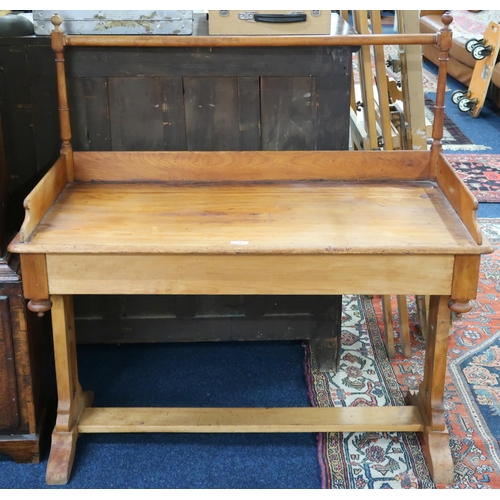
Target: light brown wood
248 274
34 273
422 308
42 197
227 223
268 218
388 326
466 272
462 200
437 446
366 79
411 78
244 40
404 326
483 69
381 82
240 166
376 419
432 387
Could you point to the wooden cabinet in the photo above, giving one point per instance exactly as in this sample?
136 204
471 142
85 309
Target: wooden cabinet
25 350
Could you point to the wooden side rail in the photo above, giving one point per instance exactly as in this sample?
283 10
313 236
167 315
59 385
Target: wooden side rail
42 197
462 200
247 41
241 166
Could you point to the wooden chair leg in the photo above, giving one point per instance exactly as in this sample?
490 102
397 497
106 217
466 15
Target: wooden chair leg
422 311
71 399
429 398
388 328
404 325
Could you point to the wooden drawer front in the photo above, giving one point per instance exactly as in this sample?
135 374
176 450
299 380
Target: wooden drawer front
250 274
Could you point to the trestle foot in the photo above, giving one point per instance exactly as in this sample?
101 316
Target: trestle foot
437 446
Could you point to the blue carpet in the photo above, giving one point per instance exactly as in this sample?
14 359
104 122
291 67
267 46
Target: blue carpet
197 374
483 130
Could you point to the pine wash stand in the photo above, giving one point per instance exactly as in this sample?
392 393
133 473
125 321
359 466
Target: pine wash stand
294 222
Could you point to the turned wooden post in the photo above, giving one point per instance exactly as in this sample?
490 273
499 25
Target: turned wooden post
57 38
444 42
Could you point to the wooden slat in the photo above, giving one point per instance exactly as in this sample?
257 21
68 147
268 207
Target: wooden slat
462 200
137 99
289 110
377 419
250 274
222 113
42 197
366 79
174 122
169 166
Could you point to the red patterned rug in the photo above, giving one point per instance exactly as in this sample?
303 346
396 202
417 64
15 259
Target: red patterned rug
481 173
368 378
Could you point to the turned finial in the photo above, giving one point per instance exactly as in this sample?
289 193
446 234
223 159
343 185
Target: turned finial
56 20
460 307
39 306
446 19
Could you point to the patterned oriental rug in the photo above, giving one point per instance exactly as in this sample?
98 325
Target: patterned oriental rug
481 173
368 378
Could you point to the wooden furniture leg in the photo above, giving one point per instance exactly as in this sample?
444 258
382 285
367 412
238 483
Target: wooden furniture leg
422 307
71 399
429 398
388 328
404 325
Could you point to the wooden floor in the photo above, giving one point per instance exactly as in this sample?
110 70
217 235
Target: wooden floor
293 217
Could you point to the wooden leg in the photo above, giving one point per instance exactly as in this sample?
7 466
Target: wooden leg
429 398
404 325
71 399
422 308
388 328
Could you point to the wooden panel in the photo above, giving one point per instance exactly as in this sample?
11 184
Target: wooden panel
465 277
244 166
380 419
459 196
97 62
289 110
136 115
42 197
252 218
97 111
45 122
218 110
34 270
174 123
333 116
88 98
9 407
249 274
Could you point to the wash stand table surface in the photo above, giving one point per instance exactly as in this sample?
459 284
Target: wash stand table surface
296 222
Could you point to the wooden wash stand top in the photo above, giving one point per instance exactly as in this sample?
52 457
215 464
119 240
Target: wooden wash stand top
295 222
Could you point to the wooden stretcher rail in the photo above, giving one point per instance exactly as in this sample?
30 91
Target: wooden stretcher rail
246 41
376 419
